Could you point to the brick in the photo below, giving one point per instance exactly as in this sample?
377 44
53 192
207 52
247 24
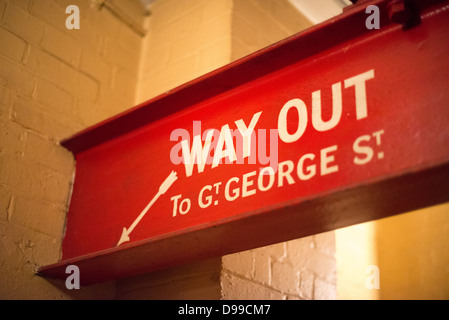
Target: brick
24 4
49 154
258 15
2 9
46 65
83 86
40 216
218 9
98 19
246 32
321 265
215 55
53 98
325 242
276 251
126 58
56 71
168 12
12 138
172 76
50 12
34 180
90 38
271 35
241 49
274 295
303 252
298 250
23 24
23 247
285 277
15 77
306 285
262 267
200 38
12 46
241 263
180 27
324 290
112 101
6 101
123 81
22 252
159 12
147 89
127 38
155 59
6 201
61 45
10 251
94 65
33 116
88 113
234 288
291 19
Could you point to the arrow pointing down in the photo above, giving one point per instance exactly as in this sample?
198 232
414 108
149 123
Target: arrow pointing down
162 189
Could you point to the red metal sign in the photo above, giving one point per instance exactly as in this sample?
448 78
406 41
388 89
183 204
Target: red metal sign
334 126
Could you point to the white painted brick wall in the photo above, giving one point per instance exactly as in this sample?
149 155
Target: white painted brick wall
188 39
298 269
53 83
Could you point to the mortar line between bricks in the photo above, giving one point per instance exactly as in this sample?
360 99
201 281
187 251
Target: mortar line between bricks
77 69
224 270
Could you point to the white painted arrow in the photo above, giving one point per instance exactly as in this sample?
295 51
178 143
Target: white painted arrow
162 189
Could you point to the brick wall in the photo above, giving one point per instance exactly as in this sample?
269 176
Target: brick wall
257 24
188 38
53 83
299 269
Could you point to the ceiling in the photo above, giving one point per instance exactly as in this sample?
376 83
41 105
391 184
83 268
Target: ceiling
315 10
320 10
133 12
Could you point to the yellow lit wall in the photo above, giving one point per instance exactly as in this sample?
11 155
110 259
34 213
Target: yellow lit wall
413 254
355 251
411 251
53 83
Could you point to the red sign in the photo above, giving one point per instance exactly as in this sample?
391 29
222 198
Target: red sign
286 143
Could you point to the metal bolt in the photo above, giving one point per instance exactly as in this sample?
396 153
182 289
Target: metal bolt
399 12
